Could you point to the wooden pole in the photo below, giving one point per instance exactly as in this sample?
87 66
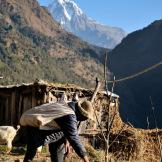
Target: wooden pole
98 84
93 96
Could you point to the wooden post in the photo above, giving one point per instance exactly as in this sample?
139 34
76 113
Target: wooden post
7 110
20 108
93 97
98 84
33 98
12 110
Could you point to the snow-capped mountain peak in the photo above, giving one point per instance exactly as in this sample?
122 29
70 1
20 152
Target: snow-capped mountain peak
78 11
72 19
66 9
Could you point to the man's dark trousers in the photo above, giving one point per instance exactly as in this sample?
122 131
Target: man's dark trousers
36 138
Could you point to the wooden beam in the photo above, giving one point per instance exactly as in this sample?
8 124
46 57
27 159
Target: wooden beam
98 84
33 98
20 107
12 108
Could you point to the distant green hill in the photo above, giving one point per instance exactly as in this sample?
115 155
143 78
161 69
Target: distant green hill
138 51
33 45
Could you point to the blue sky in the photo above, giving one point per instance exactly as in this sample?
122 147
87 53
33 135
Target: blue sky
129 15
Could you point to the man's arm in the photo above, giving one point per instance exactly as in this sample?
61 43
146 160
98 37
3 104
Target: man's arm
68 125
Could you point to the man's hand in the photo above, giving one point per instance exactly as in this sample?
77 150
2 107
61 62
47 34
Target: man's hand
85 159
67 148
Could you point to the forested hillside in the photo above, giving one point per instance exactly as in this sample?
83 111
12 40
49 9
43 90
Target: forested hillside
32 45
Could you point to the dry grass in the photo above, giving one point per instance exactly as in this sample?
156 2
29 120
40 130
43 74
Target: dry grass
17 155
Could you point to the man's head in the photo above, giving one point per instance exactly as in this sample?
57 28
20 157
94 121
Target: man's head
86 109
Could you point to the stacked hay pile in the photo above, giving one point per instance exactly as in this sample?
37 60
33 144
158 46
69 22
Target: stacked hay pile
126 142
150 144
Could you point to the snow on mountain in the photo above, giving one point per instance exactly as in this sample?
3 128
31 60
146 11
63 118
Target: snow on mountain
72 19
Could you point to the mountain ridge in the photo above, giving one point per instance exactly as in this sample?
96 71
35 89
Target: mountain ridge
138 51
73 19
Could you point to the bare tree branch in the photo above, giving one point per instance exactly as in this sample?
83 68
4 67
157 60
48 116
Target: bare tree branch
118 134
